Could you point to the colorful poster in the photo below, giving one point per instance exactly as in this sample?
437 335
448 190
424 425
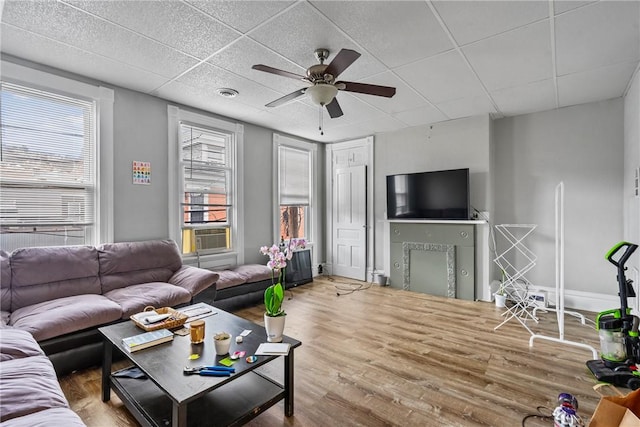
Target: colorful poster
141 172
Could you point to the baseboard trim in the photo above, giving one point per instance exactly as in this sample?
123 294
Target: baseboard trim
589 301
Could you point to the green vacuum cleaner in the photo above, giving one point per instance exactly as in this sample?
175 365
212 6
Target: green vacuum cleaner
618 330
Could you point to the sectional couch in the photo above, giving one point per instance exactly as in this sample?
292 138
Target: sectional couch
61 295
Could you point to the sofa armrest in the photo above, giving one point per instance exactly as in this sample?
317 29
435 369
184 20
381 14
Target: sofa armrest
194 279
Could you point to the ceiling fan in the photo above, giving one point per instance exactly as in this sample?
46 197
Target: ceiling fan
324 87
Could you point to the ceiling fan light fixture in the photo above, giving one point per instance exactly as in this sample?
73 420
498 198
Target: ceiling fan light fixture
226 92
322 94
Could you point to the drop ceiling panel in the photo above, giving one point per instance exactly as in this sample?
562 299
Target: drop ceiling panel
469 21
420 116
241 15
405 97
604 83
441 78
75 28
296 33
242 55
514 58
381 27
207 100
529 98
467 107
212 78
45 51
597 35
173 23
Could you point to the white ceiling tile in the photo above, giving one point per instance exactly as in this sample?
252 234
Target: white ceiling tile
210 77
420 116
596 35
529 98
469 21
375 26
170 22
595 85
405 97
467 107
38 49
442 77
242 55
561 6
75 28
241 15
207 100
511 59
298 32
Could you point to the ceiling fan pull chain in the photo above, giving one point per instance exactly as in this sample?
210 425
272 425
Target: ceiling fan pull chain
320 119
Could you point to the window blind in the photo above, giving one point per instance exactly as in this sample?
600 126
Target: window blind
294 180
47 161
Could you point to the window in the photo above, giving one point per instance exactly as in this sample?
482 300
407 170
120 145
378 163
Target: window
204 210
206 172
48 155
295 187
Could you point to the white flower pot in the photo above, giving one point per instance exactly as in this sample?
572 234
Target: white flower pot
274 327
501 300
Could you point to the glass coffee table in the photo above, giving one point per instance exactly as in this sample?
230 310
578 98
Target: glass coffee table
168 397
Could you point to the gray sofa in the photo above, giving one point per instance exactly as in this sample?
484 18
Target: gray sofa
61 295
30 395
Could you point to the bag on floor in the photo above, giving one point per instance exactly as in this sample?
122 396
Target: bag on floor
617 411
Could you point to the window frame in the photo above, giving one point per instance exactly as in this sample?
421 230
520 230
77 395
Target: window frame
312 213
103 99
178 116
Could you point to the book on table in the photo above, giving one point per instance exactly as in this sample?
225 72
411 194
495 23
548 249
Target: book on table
147 339
273 349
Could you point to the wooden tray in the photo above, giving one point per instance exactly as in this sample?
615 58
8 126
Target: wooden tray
176 320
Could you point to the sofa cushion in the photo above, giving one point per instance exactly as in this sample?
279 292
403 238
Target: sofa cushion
255 272
47 273
61 316
228 279
5 282
193 279
16 344
133 299
131 263
29 385
47 418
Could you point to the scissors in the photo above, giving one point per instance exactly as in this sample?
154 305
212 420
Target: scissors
210 371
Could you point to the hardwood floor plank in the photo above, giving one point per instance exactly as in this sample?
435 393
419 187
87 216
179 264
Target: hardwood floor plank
387 357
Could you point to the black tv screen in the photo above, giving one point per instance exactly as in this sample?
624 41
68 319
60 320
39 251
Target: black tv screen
429 195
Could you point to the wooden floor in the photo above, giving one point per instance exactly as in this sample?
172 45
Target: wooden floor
386 357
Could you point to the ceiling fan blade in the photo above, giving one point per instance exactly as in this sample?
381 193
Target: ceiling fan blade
287 98
278 72
368 89
341 62
334 109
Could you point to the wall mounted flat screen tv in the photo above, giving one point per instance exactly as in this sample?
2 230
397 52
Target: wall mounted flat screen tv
429 195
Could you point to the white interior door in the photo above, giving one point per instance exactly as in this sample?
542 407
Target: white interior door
350 222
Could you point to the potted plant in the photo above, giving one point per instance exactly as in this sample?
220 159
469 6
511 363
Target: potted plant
501 293
274 315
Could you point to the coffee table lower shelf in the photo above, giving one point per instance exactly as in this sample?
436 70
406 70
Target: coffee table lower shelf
235 403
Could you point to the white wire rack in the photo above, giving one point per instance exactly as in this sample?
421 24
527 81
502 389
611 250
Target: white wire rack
515 261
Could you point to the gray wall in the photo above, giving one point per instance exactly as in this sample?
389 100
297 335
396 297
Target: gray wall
631 162
463 143
583 147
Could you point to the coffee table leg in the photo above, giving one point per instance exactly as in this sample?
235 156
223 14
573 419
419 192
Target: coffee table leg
179 415
288 384
106 370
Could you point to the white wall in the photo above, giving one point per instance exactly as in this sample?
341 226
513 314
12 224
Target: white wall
631 163
583 147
